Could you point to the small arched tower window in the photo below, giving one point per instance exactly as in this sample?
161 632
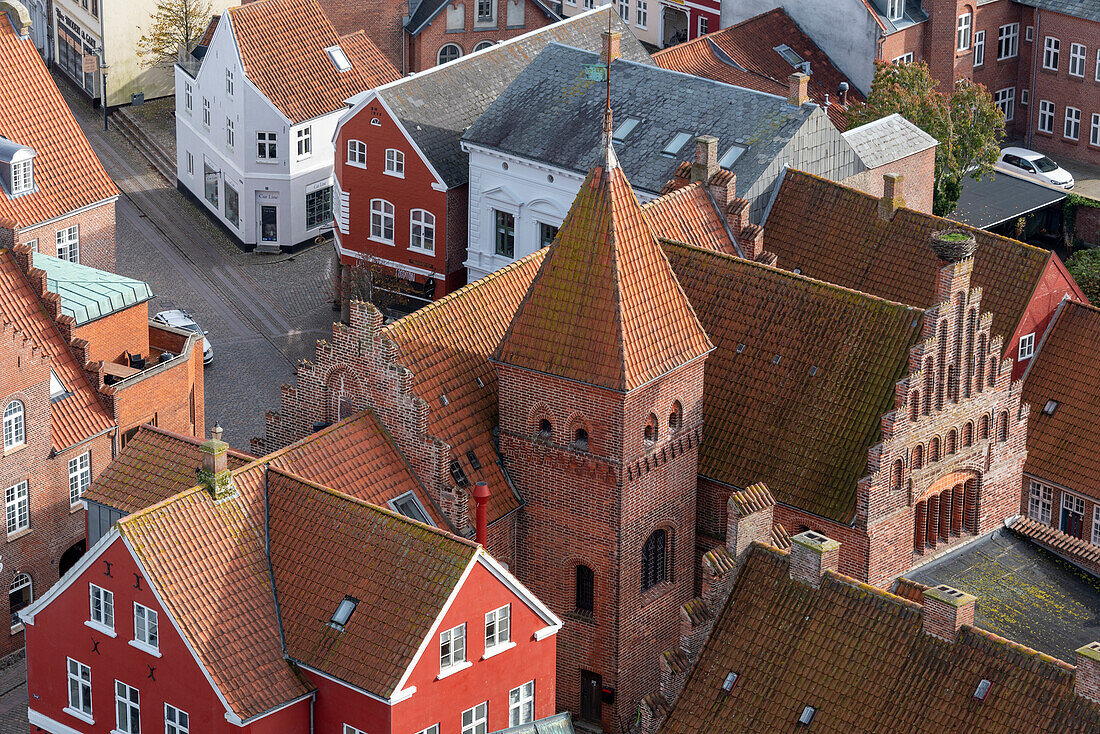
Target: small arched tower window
546 431
651 430
655 559
992 371
914 405
934 449
968 434
586 582
952 442
580 439
1002 429
918 456
896 475
676 417
983 428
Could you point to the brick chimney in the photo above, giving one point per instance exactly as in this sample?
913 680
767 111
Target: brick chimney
798 92
892 196
20 18
750 514
946 610
481 500
1086 681
812 554
955 249
842 93
610 50
706 158
214 473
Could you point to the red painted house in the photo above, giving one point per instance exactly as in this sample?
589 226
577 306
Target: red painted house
260 602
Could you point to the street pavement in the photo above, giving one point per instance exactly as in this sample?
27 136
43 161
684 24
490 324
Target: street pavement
13 698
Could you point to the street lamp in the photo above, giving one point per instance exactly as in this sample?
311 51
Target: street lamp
103 68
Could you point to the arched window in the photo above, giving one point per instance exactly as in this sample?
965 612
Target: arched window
651 430
357 153
586 582
968 434
918 456
483 45
580 440
983 428
655 559
20 596
952 442
929 385
450 52
1002 429
934 449
422 231
676 417
546 431
395 162
896 475
914 405
381 220
14 429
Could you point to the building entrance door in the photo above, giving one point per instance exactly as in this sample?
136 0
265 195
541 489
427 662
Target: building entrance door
1073 515
591 690
269 223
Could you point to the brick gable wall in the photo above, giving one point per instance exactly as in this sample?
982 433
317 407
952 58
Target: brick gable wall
423 48
96 233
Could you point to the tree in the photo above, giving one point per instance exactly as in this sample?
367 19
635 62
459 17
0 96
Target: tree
176 23
371 281
967 123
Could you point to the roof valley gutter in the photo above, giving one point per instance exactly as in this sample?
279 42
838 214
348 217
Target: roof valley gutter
271 567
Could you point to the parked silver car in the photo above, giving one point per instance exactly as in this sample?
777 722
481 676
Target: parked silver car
180 319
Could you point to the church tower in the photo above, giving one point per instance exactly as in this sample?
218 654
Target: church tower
601 389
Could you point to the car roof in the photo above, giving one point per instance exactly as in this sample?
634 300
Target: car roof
1030 155
176 314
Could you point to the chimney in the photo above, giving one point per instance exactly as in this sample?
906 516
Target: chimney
798 92
610 50
706 158
892 196
842 92
750 514
214 473
481 499
955 248
1086 681
812 554
20 18
946 610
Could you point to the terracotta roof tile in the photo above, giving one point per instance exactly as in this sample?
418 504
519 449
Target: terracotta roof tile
744 55
80 415
860 657
690 215
282 45
66 171
1074 549
605 307
1063 447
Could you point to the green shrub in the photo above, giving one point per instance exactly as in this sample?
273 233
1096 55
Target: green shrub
1084 265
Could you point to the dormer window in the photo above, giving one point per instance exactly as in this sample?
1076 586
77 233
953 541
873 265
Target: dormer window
893 9
57 390
338 58
22 177
16 167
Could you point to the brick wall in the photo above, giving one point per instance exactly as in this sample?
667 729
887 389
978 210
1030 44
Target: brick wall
1088 225
111 337
919 172
96 232
424 47
169 397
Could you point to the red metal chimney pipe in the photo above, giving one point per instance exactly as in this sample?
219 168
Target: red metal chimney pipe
481 499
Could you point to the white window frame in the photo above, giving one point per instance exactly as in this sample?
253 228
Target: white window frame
433 729
1096 524
229 82
1052 51
439 53
395 163
521 704
1025 97
1072 124
1094 130
475 720
641 13
176 721
452 655
190 163
1047 111
894 9
1029 34
378 208
80 476
349 729
624 9
206 113
146 629
22 177
1040 502
80 690
269 142
101 608
1005 99
1008 41
188 97
15 424
304 139
1027 346
230 133
127 709
421 230
357 153
904 59
498 629
1077 60
979 48
1097 76
702 26
963 27
68 243
17 507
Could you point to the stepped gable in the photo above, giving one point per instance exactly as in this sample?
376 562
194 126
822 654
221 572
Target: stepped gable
794 357
605 307
861 658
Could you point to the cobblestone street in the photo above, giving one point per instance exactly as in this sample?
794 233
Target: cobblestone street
13 697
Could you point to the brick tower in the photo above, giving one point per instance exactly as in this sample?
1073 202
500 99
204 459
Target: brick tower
600 389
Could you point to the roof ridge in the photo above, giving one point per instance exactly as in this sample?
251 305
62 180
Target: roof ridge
149 428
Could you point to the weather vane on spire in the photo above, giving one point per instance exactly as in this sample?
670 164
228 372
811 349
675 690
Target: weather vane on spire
601 72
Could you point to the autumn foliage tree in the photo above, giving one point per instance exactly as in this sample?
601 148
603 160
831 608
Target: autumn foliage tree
176 23
967 123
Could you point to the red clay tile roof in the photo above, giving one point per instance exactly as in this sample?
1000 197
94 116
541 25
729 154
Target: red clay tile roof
66 171
744 55
1076 550
860 657
690 215
794 357
1063 448
282 45
154 465
412 571
81 415
604 308
833 233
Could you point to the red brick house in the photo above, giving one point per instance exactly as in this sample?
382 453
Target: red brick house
84 366
55 196
202 619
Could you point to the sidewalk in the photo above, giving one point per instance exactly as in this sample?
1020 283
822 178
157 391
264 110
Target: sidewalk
13 698
1086 176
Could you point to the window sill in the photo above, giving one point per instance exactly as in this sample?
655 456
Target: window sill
79 715
656 592
353 164
145 648
15 448
19 534
267 161
382 241
76 507
453 669
395 174
16 629
100 628
418 251
498 649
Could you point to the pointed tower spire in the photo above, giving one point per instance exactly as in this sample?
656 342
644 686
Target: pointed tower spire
609 53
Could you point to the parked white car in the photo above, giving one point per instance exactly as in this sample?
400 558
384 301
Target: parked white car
1035 165
180 319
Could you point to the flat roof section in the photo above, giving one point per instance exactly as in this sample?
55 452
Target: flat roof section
991 201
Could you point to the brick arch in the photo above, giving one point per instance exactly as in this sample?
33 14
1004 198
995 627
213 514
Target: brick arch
539 411
578 420
341 391
947 481
676 416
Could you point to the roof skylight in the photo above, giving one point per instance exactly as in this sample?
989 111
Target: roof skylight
679 140
807 716
625 128
1050 407
731 156
983 688
343 612
338 58
789 54
727 684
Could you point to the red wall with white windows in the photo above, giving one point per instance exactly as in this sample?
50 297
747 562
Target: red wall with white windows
1055 284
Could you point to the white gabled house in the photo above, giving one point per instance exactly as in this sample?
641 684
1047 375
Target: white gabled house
256 115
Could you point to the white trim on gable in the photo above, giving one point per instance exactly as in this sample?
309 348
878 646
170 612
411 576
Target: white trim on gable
47 724
390 701
91 556
494 567
503 195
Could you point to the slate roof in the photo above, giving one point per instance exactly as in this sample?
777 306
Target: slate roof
427 10
888 139
860 657
744 55
282 46
67 173
526 121
437 105
833 233
994 200
1084 9
1063 448
153 465
688 214
88 294
604 307
794 357
80 415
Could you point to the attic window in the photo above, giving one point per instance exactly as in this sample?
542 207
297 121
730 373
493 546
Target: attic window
338 58
727 684
343 612
409 506
983 688
679 140
789 55
807 716
625 128
813 370
731 156
776 360
1050 407
458 474
472 458
16 167
478 381
740 348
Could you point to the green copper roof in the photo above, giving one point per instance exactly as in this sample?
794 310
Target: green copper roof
88 294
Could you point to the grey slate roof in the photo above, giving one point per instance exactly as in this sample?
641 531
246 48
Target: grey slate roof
1086 9
913 14
888 139
990 201
550 115
437 105
88 294
427 10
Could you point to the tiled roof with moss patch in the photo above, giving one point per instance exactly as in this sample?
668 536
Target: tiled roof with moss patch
688 214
